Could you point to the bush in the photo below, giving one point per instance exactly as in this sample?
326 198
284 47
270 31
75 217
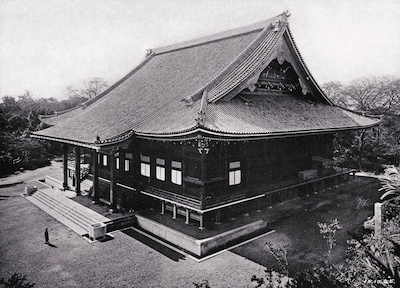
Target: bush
16 281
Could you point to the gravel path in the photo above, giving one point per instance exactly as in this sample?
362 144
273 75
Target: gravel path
121 262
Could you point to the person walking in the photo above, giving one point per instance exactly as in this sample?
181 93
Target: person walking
46 236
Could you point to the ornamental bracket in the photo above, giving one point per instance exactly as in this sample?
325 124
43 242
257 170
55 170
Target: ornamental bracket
202 144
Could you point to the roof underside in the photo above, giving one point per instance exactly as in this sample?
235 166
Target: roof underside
148 101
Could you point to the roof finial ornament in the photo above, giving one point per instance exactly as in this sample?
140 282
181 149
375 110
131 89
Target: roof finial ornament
201 115
280 21
286 14
97 139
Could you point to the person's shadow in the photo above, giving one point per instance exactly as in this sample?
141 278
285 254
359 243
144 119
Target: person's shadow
52 245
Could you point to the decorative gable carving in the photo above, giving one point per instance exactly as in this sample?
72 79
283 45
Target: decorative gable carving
276 78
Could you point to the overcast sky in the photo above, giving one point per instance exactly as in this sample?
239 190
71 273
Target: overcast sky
47 45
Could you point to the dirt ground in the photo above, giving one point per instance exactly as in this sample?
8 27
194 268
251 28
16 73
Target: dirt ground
130 261
125 261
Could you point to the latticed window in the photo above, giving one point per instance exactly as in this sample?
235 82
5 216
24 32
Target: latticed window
145 165
160 169
235 174
176 172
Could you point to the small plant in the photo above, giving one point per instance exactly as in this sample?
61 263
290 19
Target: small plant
280 254
201 284
361 203
272 279
16 281
319 278
374 260
328 231
390 182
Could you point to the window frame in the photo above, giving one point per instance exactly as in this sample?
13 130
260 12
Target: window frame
160 169
128 162
176 172
145 165
234 173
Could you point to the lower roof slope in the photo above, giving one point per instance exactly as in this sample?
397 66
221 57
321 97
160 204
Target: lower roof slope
280 114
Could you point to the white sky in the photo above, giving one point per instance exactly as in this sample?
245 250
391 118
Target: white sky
47 45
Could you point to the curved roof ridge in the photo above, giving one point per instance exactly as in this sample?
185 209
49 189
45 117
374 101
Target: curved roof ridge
229 67
216 37
242 72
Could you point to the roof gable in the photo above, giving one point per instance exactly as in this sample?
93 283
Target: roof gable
279 46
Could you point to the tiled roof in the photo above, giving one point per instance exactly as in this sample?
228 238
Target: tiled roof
280 114
152 94
148 101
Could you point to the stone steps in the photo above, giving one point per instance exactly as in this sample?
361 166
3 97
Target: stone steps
75 216
63 209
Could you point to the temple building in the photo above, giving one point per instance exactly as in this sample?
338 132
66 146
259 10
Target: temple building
207 128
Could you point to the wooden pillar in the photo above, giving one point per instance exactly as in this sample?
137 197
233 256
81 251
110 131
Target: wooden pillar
78 170
162 207
218 217
187 221
65 166
174 210
203 179
95 171
201 224
113 179
315 187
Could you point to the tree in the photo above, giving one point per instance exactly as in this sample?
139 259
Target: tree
334 91
372 148
91 88
17 119
375 95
